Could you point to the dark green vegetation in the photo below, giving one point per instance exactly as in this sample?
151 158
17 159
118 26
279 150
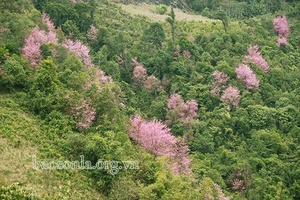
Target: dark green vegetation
251 152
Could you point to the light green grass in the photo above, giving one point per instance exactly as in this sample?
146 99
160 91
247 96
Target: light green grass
148 10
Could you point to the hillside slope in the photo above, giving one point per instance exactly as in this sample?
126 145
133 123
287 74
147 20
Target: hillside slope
186 109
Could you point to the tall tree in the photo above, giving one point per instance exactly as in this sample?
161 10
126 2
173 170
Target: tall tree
222 15
171 21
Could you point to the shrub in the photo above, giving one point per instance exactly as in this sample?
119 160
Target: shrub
161 9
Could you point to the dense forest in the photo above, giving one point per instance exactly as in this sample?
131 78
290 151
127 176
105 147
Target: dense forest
171 110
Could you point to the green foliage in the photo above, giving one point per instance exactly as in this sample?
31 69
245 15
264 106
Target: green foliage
171 21
221 15
14 74
16 192
44 88
46 79
261 117
155 34
161 9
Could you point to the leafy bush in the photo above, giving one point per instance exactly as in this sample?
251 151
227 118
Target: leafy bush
161 9
16 192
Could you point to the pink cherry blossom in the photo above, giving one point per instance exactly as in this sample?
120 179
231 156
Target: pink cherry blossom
80 50
231 96
36 38
84 115
246 75
98 78
220 81
281 26
179 110
151 83
282 41
256 58
139 73
175 101
92 33
155 137
186 54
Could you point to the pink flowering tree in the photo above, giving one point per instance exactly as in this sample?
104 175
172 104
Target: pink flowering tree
84 114
36 38
140 77
32 45
155 137
220 194
80 50
281 26
179 110
92 33
98 78
152 84
51 35
256 58
282 41
231 97
139 72
238 181
220 81
186 54
246 75
180 160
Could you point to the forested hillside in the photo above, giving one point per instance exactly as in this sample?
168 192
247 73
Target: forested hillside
164 109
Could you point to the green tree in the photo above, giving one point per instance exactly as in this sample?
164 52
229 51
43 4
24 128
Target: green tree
222 15
171 21
155 34
44 88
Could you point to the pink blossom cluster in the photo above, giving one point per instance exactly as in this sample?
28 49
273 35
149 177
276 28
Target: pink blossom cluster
98 78
92 33
51 35
101 77
255 57
150 83
282 41
186 54
281 26
238 185
155 137
80 50
84 115
220 81
191 38
36 38
139 73
179 110
247 76
221 195
231 96
32 45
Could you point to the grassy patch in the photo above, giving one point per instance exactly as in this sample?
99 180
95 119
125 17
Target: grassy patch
148 10
20 140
